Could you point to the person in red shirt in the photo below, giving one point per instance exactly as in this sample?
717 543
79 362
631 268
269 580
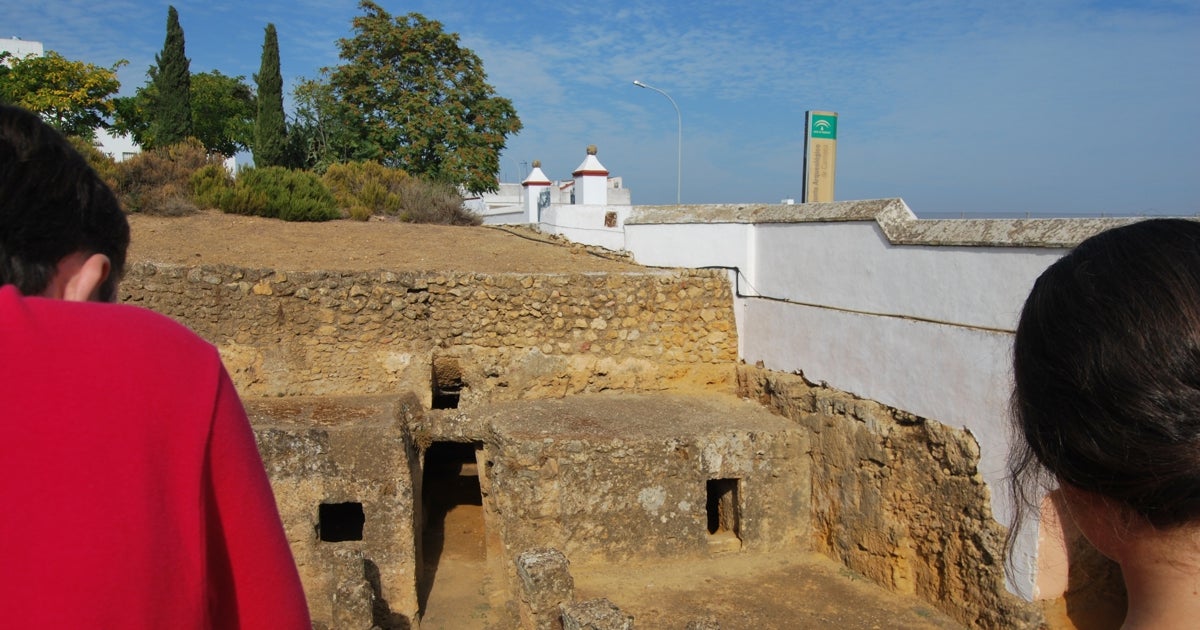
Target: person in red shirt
132 494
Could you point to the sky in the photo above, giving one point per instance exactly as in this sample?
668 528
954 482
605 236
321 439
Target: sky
960 107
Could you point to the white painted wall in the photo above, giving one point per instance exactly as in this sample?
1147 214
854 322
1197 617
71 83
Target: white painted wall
922 327
691 244
512 215
585 224
119 147
21 48
851 265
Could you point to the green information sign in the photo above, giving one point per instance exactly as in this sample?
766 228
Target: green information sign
823 126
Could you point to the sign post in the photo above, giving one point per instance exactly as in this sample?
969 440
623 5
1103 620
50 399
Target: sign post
820 155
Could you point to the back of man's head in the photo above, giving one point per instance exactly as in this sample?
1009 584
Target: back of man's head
52 205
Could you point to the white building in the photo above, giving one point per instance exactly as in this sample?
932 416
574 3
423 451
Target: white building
21 48
522 202
118 147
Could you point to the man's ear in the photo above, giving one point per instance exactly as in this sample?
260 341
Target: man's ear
82 283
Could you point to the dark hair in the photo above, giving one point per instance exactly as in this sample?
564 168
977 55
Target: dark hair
1107 372
52 204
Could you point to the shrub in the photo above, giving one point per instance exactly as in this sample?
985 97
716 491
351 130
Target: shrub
209 183
365 189
426 201
159 181
279 193
104 166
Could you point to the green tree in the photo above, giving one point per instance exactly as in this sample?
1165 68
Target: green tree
6 59
420 101
223 111
74 96
270 130
322 132
171 108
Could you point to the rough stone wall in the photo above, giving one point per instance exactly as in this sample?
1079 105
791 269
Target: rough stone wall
518 336
338 451
899 499
606 479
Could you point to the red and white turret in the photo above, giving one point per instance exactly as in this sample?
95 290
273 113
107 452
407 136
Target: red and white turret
591 180
536 189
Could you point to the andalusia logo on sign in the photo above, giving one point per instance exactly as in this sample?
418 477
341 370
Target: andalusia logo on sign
824 127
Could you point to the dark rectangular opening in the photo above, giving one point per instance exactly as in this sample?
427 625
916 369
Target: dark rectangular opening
340 522
722 507
447 383
453 531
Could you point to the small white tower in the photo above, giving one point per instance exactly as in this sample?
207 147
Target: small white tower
536 190
591 180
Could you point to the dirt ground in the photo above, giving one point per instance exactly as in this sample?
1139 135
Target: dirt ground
215 238
781 591
740 591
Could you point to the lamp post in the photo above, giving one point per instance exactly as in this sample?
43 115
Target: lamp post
679 159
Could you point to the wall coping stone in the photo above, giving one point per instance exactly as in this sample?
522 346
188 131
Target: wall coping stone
895 219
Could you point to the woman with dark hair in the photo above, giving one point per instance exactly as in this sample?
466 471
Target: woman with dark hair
1107 403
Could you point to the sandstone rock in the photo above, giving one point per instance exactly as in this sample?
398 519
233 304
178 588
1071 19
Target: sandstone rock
595 614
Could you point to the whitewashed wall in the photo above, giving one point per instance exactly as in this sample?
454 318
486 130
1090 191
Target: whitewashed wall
585 223
918 315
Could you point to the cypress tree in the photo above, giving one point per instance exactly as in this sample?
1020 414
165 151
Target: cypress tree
270 130
171 114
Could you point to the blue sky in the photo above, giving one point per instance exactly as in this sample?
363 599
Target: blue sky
973 107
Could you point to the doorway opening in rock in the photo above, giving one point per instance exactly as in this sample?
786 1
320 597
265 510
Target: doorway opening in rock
453 548
724 519
447 383
340 522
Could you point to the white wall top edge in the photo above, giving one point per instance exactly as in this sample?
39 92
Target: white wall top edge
897 221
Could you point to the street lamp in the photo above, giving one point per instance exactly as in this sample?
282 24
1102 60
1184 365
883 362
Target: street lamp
679 117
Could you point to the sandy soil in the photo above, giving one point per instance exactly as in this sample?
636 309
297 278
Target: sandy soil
463 588
740 591
213 237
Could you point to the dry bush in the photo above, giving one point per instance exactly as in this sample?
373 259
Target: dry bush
366 189
424 201
104 166
159 181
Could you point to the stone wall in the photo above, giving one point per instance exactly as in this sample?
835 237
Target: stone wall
515 336
343 473
608 478
899 499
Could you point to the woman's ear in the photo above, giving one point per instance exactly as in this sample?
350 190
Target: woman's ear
83 280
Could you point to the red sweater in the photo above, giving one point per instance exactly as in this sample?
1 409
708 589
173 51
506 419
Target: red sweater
132 494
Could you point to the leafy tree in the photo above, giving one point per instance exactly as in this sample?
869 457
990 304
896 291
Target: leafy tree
6 60
270 130
223 110
322 132
420 101
74 96
171 108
